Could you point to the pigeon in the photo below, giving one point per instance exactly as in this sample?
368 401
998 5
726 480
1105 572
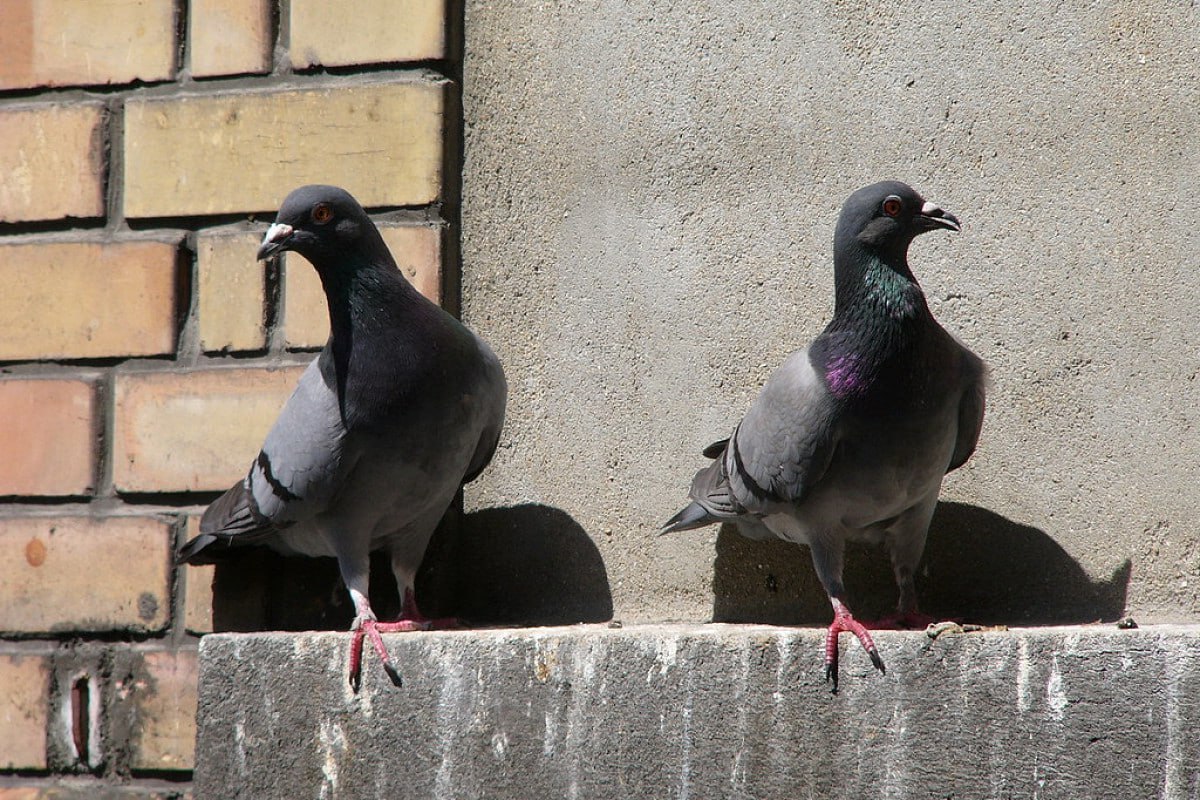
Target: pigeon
850 438
402 407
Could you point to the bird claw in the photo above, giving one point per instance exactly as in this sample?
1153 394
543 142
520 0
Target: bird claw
843 621
393 674
369 628
356 643
367 625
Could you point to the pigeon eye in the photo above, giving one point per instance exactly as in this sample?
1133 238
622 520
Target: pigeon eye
892 206
322 213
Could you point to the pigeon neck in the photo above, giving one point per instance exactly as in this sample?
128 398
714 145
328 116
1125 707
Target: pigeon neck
879 315
363 296
878 286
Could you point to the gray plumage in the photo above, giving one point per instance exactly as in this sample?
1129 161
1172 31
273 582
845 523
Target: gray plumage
850 438
401 408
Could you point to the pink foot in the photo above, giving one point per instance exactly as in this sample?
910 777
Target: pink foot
844 621
411 619
369 627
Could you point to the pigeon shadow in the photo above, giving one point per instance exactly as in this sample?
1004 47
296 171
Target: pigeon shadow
978 567
522 565
529 565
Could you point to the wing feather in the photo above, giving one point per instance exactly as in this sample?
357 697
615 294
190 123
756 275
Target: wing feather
295 476
784 444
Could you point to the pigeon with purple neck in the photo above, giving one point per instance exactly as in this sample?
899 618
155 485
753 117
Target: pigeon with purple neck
850 438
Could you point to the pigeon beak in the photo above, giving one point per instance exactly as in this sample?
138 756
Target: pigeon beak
932 216
277 238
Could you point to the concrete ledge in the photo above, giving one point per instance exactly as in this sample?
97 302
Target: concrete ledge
704 711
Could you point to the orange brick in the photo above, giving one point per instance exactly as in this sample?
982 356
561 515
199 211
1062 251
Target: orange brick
85 43
228 37
417 250
87 299
51 161
198 590
26 793
165 698
323 33
24 683
49 424
193 431
244 151
232 287
66 574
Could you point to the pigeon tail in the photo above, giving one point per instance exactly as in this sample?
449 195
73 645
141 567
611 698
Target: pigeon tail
694 516
194 548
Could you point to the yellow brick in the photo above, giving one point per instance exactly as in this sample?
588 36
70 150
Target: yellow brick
193 431
24 683
198 590
166 706
417 250
51 161
232 288
87 299
305 313
378 30
66 574
85 42
244 151
50 424
228 37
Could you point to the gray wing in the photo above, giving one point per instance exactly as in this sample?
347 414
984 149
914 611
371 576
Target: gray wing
778 452
296 475
784 444
970 410
490 403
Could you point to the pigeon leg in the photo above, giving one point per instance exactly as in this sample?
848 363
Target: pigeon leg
905 545
411 618
907 616
827 554
844 621
365 625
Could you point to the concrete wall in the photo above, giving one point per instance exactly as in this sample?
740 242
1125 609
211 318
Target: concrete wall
650 190
708 711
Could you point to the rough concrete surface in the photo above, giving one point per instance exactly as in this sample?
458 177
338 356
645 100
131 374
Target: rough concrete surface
649 195
704 711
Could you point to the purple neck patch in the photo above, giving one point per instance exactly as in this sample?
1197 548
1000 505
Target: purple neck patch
845 376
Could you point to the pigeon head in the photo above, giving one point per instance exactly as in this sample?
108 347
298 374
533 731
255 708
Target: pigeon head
885 217
322 223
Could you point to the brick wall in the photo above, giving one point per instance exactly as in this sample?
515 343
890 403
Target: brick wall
144 145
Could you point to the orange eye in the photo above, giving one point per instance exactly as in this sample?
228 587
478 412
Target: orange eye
322 213
892 206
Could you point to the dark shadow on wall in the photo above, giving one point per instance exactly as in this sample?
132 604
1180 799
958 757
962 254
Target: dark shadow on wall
522 565
978 567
